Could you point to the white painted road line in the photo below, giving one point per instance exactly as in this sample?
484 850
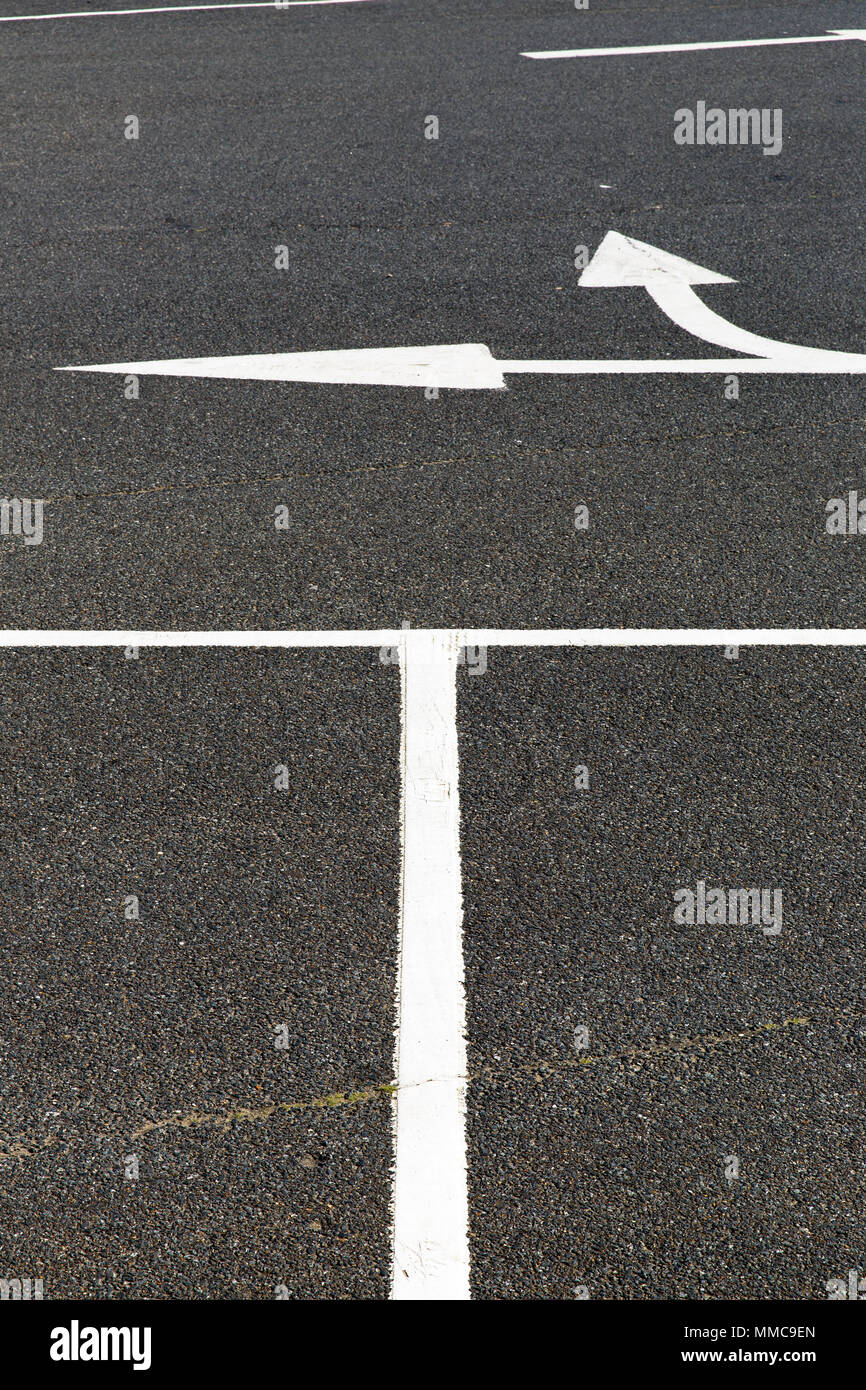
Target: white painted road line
241 637
619 262
663 637
178 9
832 36
431 1210
430 1236
464 637
778 366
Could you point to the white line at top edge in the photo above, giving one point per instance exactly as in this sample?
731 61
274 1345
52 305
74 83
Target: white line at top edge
468 636
833 36
177 9
430 1242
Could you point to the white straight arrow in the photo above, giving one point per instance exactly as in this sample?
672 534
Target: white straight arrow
619 262
832 36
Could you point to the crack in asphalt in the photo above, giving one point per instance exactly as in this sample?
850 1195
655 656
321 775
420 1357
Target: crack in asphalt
18 1148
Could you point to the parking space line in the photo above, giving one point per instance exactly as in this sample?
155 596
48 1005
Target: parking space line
179 9
431 1209
462 637
832 36
430 1233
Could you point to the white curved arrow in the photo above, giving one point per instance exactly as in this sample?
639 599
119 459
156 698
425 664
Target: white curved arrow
619 261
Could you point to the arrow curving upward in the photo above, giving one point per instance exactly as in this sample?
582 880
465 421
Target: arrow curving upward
619 261
668 279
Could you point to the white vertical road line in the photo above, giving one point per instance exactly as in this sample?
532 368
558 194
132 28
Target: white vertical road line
431 1209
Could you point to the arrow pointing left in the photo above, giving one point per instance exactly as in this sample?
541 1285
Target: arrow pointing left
461 365
619 262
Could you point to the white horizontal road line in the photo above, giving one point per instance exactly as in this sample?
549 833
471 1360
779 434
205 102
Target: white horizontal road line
832 36
464 637
177 9
123 637
431 1210
663 637
846 364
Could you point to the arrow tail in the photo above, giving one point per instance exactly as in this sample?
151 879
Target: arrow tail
850 363
680 303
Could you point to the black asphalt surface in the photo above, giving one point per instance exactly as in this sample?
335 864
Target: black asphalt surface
306 129
264 1169
155 1038
603 1166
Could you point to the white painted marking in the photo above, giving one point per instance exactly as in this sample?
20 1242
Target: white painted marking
682 305
619 262
240 637
463 636
450 376
430 1244
177 9
663 637
624 261
431 1214
832 36
464 365
674 365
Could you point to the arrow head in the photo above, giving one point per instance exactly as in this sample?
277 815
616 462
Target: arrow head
463 366
621 260
849 33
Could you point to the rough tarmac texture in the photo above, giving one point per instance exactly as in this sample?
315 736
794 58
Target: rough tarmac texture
602 1163
304 129
156 1038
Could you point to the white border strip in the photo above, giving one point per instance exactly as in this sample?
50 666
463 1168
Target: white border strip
468 636
178 9
431 1206
833 36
